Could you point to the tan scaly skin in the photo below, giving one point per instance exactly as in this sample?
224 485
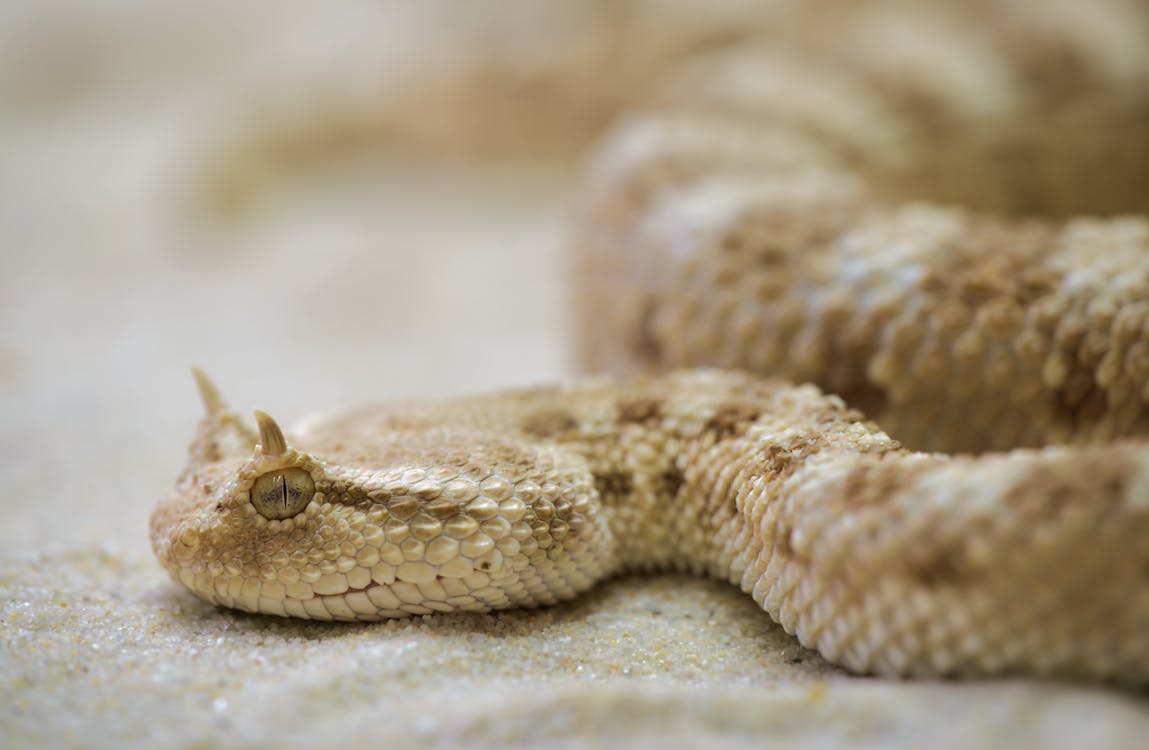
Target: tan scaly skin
936 211
883 560
764 211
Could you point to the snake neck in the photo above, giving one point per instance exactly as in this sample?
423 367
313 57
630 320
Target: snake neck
689 494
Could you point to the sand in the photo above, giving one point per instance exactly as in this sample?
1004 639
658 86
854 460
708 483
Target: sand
101 650
380 278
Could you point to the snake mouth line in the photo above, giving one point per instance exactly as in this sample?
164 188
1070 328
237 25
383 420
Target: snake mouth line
350 590
426 605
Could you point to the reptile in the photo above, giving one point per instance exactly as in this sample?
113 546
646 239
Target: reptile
884 560
811 266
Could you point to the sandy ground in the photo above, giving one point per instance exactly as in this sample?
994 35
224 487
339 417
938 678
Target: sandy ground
382 278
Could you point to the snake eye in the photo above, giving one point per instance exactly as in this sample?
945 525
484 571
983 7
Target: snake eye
282 494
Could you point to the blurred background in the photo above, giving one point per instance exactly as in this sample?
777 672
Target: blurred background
319 205
325 204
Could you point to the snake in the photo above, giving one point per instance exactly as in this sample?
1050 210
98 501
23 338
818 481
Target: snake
866 328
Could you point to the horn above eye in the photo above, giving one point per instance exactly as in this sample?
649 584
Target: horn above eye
283 493
271 440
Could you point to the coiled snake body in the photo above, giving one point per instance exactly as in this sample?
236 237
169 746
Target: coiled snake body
750 216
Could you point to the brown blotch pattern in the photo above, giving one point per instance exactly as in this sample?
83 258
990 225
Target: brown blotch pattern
731 420
874 483
778 463
973 271
670 482
614 484
782 546
646 411
944 566
1050 491
549 423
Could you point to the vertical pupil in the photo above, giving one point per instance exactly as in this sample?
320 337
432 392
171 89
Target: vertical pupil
282 494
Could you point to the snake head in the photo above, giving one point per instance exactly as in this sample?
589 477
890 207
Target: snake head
377 514
243 494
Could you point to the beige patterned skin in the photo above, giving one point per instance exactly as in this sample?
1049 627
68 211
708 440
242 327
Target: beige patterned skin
883 560
945 233
930 216
892 222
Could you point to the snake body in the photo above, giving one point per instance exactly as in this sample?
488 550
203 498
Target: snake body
762 211
882 559
918 230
